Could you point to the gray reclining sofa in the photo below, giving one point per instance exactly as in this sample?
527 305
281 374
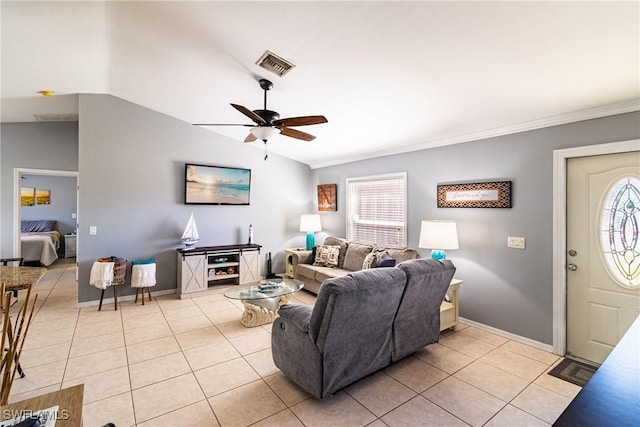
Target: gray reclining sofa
361 323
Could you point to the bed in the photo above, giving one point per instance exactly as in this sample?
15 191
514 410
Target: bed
40 241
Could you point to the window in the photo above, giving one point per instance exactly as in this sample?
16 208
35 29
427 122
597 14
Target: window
619 223
376 209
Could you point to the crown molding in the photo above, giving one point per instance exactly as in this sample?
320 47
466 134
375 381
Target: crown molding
562 119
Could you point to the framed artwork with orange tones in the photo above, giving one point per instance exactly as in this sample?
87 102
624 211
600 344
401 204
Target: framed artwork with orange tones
327 197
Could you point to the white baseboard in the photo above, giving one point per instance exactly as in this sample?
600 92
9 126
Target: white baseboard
122 298
523 340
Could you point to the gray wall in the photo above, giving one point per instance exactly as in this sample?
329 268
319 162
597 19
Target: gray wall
131 171
131 188
63 201
31 146
508 289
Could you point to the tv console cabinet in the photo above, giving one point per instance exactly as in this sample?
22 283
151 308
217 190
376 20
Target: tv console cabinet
216 268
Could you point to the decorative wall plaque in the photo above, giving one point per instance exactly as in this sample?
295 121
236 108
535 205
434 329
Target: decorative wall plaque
475 195
327 196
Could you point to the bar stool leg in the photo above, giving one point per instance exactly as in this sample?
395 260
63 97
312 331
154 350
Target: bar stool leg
149 291
101 296
137 292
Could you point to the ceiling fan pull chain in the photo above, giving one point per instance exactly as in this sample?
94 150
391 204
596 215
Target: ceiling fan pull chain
266 152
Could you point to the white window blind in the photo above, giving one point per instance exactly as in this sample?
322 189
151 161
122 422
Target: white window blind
376 209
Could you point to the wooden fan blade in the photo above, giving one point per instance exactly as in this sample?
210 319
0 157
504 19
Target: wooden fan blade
294 133
222 124
301 121
253 116
250 138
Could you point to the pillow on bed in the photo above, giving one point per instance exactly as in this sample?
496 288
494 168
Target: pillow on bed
38 225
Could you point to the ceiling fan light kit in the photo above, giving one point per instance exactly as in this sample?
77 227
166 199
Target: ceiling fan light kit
264 132
267 123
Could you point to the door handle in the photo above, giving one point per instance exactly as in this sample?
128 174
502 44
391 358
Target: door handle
572 267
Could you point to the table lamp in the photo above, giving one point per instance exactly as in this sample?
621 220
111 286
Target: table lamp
438 236
310 223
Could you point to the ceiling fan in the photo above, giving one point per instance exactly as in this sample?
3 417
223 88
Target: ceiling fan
268 123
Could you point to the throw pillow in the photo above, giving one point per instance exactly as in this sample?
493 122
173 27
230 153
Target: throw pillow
312 258
385 260
327 256
337 241
369 261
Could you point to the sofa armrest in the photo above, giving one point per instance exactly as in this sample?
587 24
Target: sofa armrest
298 315
293 350
301 257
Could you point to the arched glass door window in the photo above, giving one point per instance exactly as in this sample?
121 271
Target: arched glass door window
620 221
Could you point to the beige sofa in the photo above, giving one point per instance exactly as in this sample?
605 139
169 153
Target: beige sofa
351 257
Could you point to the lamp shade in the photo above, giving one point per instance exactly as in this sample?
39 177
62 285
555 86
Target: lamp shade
439 235
264 132
310 222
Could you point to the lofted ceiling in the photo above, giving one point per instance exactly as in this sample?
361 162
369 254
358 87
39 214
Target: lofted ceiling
390 76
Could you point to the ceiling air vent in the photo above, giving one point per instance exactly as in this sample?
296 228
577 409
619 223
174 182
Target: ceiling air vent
69 117
272 62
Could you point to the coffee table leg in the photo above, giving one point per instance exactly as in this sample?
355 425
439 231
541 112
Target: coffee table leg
255 315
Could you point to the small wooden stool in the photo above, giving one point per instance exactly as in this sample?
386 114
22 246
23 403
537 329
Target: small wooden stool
143 275
119 274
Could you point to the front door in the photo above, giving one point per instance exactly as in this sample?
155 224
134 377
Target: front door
603 252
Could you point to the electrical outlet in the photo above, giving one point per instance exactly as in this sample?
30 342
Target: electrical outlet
74 216
93 230
515 242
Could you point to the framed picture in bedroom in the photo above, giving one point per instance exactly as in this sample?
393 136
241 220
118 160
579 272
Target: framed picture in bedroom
43 197
27 196
216 185
327 197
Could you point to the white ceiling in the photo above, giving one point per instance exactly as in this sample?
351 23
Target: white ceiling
389 76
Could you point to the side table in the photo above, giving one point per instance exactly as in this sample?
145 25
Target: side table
288 261
449 309
70 245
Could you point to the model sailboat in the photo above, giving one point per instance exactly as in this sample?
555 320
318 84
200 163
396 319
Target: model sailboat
190 236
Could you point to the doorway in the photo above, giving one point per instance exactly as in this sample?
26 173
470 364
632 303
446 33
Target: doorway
561 259
20 182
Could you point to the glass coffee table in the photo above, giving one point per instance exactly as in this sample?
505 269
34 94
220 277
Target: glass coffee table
262 299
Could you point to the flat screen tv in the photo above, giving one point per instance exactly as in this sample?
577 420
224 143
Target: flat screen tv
216 185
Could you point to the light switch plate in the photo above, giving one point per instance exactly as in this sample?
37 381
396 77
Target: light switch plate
515 242
93 230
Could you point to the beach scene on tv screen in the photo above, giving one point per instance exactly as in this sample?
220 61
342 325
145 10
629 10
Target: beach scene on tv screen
209 184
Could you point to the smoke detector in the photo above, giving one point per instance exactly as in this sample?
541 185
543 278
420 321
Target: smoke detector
274 63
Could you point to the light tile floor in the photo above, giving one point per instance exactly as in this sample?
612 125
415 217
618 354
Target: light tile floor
190 362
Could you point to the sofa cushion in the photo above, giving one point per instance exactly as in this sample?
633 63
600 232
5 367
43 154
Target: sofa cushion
306 271
356 253
327 256
343 243
324 273
351 324
418 318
